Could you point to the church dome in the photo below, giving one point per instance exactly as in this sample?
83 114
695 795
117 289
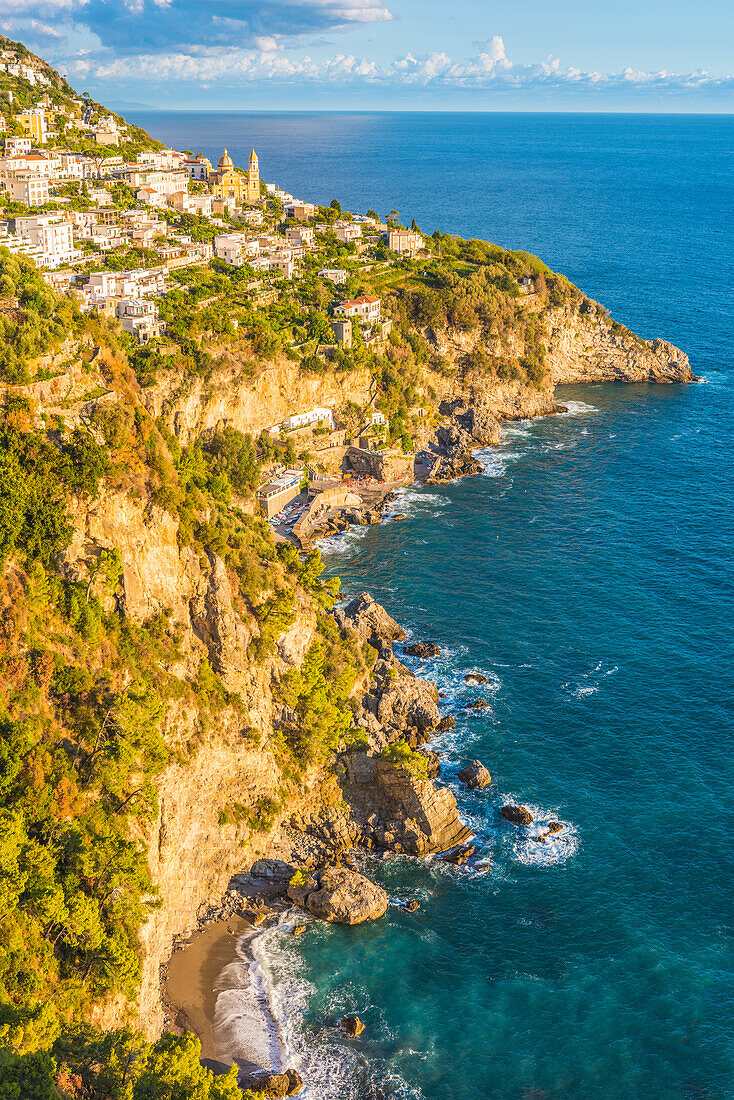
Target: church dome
225 161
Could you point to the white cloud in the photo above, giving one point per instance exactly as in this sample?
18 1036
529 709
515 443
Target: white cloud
351 11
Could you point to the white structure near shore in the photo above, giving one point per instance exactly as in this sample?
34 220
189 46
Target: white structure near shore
303 419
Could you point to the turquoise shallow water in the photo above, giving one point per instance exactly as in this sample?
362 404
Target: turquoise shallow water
588 573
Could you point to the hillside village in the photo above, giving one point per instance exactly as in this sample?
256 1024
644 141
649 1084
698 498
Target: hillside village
200 376
188 270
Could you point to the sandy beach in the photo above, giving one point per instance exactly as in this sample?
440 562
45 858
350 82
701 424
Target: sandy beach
216 989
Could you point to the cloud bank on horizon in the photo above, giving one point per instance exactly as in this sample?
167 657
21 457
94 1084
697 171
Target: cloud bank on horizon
209 48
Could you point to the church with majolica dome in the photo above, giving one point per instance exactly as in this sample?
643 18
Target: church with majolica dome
229 183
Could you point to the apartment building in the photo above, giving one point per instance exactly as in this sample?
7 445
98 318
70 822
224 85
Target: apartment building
35 124
136 283
23 245
52 233
300 235
15 145
191 204
404 241
31 190
334 274
198 168
165 160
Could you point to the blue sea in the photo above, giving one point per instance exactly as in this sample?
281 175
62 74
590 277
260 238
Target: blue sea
588 574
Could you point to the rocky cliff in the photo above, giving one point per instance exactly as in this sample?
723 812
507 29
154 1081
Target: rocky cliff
250 398
586 346
229 757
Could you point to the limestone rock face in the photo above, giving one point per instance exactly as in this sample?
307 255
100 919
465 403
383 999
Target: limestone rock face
589 347
224 634
340 895
233 398
402 701
400 811
370 621
475 776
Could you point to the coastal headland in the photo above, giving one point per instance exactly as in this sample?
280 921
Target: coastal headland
198 736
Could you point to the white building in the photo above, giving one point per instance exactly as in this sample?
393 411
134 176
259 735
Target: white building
163 159
302 235
404 241
334 274
366 308
139 316
15 145
136 283
311 416
25 72
232 248
282 263
17 244
52 233
347 231
100 196
31 190
191 204
36 164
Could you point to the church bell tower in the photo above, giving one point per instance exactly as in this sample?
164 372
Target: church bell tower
253 178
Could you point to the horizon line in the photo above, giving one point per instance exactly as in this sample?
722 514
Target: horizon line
414 111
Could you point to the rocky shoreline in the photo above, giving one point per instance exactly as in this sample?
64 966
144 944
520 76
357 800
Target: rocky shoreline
391 804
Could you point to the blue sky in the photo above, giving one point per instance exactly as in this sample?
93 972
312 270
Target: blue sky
630 55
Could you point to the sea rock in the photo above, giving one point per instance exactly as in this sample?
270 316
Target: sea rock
481 425
475 776
340 895
475 678
422 650
459 855
353 1025
449 467
447 723
299 930
555 827
411 906
518 815
273 1084
370 621
478 704
398 810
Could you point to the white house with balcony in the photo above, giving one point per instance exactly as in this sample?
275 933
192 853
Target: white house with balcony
366 308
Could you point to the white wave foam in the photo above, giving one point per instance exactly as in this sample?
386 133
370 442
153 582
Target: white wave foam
331 1068
549 852
243 1024
591 681
577 408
